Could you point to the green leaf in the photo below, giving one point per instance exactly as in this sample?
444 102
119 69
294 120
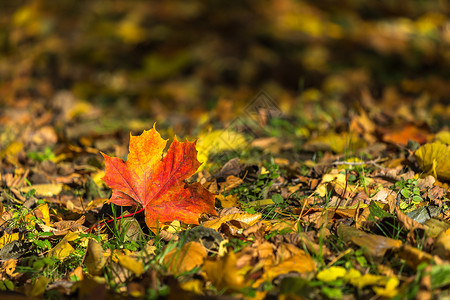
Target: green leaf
277 198
440 276
406 193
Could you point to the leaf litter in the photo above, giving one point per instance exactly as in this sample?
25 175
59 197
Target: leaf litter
326 201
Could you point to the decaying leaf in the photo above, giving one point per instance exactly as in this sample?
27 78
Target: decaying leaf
375 245
158 183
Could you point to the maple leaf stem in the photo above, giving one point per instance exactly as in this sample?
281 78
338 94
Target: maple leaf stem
109 221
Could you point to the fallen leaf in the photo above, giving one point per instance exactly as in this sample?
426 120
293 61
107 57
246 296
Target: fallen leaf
44 190
443 137
413 256
375 245
435 158
408 132
94 260
406 221
228 201
337 143
249 219
331 274
39 286
158 183
442 245
63 248
300 263
131 264
223 273
182 260
217 141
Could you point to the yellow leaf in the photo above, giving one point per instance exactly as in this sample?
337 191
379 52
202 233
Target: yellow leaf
368 279
435 158
63 248
42 212
223 273
337 143
413 256
94 260
390 290
131 264
8 238
300 263
228 201
195 286
39 286
250 219
331 274
44 190
182 260
352 274
11 151
217 141
443 137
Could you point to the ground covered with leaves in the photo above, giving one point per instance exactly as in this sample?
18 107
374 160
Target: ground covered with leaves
306 157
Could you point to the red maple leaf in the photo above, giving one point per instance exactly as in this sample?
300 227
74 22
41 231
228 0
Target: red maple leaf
158 183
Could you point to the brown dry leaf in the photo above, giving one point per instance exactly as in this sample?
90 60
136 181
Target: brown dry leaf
182 260
286 251
406 221
300 263
223 273
249 219
375 245
94 260
230 183
265 253
65 226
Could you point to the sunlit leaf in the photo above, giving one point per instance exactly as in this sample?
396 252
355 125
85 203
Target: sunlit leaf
158 183
435 158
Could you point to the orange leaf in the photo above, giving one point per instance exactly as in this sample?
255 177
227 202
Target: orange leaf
158 183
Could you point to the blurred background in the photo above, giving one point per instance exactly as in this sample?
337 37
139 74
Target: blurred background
127 64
